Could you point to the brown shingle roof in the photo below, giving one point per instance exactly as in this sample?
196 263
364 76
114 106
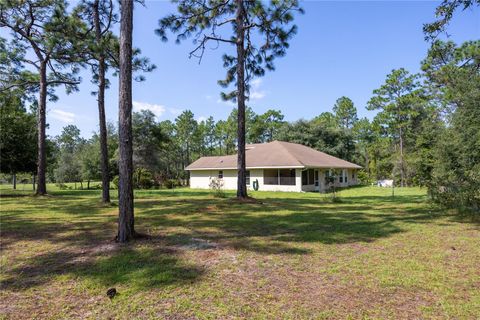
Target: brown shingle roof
274 154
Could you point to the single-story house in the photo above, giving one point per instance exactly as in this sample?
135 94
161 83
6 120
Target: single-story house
276 166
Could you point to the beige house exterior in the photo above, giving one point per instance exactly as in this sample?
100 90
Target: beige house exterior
276 166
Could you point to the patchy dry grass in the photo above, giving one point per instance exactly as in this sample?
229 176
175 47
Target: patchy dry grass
288 255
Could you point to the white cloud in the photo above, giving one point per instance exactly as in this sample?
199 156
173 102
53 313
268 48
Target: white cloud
255 92
257 95
63 116
201 118
227 102
256 82
157 109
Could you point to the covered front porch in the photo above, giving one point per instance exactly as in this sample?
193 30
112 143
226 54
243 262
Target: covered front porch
318 179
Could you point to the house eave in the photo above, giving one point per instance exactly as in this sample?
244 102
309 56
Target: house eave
234 168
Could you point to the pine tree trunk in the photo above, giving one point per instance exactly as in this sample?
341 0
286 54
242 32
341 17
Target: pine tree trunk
101 110
241 180
14 178
42 105
33 180
126 230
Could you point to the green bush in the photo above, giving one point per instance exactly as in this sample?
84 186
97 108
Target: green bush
171 183
216 185
363 178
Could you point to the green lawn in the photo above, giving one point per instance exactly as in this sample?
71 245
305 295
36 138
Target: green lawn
290 255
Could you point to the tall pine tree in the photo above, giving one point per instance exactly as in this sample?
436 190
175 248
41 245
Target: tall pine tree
45 29
205 21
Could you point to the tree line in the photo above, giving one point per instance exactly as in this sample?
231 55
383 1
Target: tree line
426 131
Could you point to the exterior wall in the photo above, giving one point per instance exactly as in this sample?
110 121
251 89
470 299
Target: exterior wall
350 181
258 174
201 179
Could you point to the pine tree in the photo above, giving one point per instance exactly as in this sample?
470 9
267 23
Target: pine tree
126 220
345 112
205 21
45 29
396 100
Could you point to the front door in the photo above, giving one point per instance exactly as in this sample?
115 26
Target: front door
317 184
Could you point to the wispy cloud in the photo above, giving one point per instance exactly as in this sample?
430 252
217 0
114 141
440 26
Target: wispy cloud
63 116
255 92
201 118
227 102
157 109
256 82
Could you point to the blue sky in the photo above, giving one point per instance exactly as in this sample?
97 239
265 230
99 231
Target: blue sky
341 49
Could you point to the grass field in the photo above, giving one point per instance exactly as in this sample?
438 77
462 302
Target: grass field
290 255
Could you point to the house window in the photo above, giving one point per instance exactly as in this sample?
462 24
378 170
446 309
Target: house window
220 174
345 173
285 177
353 175
247 177
341 178
332 176
308 177
270 176
304 177
311 176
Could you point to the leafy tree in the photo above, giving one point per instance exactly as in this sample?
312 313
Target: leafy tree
345 112
396 100
148 139
90 160
326 119
186 127
364 137
69 163
454 70
265 127
204 20
17 135
334 141
45 29
70 138
172 167
226 135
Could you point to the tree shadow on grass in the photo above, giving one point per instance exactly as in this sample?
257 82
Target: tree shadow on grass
275 226
136 267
